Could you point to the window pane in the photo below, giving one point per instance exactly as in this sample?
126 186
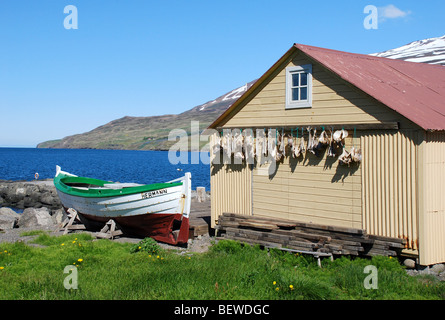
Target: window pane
295 82
303 79
295 94
303 93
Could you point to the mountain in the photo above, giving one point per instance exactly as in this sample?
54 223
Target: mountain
430 51
151 133
148 133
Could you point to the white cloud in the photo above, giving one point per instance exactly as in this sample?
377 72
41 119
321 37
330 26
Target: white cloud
391 12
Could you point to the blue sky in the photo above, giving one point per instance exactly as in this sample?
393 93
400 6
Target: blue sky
144 58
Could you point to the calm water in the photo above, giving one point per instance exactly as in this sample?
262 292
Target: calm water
113 165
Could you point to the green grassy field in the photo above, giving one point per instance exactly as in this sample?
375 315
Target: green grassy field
229 270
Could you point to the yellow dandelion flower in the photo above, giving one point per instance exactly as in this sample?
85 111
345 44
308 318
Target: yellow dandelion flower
80 260
75 238
62 244
6 251
157 257
291 287
1 268
139 247
190 258
149 255
277 289
274 283
74 241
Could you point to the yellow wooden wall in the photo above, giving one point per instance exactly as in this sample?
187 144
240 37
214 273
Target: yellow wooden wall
389 184
230 188
310 189
432 198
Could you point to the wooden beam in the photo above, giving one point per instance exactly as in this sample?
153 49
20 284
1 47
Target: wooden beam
394 125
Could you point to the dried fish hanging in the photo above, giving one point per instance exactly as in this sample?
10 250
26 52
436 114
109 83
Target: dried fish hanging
331 150
311 144
260 136
249 146
290 141
272 144
339 137
323 139
226 143
237 146
217 146
356 154
302 147
280 146
265 144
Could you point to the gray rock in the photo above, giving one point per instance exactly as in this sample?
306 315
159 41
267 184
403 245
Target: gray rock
438 268
58 216
35 217
8 218
8 212
7 222
409 263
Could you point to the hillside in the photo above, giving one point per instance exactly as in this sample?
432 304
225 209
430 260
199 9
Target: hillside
151 133
147 133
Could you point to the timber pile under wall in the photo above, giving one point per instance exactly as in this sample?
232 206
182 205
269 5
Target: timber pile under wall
306 236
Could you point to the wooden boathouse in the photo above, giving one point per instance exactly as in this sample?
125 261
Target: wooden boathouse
394 115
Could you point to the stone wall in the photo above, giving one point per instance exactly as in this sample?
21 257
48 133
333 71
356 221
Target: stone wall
29 194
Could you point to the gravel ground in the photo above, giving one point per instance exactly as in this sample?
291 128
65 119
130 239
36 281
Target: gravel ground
199 244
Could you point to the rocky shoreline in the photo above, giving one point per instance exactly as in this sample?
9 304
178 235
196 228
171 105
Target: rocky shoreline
29 194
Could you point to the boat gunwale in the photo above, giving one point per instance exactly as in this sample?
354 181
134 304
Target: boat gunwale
61 180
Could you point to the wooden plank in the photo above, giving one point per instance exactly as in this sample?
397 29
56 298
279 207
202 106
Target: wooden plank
391 125
258 225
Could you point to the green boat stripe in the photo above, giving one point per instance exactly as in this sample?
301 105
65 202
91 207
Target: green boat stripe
62 184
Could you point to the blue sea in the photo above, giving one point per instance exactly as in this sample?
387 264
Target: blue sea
113 165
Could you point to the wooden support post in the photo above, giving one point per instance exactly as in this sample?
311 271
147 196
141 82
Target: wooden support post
109 230
72 222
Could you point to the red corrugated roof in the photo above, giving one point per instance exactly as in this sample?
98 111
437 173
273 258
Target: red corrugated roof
415 90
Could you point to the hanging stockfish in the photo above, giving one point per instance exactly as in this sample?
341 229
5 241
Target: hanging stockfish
345 158
323 139
312 144
249 146
237 146
280 146
339 137
290 142
356 154
227 143
259 148
264 144
331 150
301 148
217 146
282 143
272 143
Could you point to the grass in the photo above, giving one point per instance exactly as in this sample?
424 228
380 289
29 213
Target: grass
229 270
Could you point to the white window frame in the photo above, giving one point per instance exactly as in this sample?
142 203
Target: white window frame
292 104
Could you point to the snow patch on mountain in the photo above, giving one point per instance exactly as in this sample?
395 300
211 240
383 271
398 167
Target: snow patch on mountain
431 50
232 96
